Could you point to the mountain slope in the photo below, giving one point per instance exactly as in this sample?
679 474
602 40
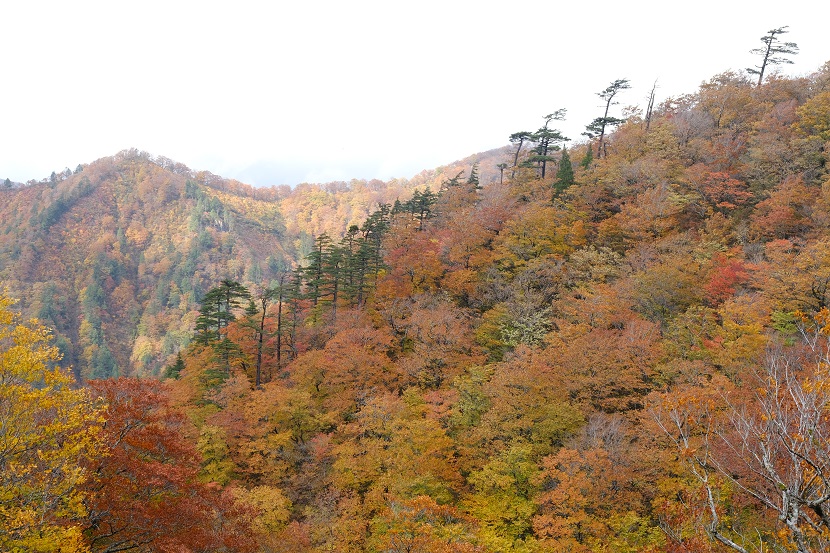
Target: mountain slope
116 256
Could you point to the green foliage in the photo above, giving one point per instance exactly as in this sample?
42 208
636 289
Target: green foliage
217 312
60 205
564 174
419 206
529 329
174 370
588 158
472 399
346 271
473 178
597 128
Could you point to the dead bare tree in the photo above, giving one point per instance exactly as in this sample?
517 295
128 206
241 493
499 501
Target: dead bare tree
772 445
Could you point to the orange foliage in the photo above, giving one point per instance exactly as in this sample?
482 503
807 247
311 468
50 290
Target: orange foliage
353 364
508 333
724 277
611 369
145 490
574 512
786 212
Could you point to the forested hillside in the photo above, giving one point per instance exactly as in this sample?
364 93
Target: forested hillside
620 346
116 255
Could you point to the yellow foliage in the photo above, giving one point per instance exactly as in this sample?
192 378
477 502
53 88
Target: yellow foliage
272 508
741 335
143 347
46 429
814 117
540 232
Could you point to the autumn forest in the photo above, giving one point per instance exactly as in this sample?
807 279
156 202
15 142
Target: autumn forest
618 343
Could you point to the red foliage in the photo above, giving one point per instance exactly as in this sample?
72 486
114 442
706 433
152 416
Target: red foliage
724 191
145 494
724 278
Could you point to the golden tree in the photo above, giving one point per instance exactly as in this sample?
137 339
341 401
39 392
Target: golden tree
46 429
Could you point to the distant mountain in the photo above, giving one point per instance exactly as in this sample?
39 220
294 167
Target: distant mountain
116 256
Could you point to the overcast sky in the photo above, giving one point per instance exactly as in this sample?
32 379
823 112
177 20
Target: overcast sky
285 92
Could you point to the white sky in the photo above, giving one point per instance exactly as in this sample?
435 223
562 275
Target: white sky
283 92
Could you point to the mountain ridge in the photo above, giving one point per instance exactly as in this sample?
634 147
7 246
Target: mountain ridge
134 238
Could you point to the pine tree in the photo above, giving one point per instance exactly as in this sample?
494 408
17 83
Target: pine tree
501 167
280 293
771 52
374 229
216 313
350 245
334 262
564 175
173 371
588 158
295 299
255 319
453 181
473 178
518 138
312 273
420 206
547 140
598 126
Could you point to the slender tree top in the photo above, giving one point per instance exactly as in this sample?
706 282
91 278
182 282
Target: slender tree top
473 178
558 115
597 127
773 52
520 136
612 90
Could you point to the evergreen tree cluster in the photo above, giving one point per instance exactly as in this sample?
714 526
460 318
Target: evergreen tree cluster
344 271
334 273
421 204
